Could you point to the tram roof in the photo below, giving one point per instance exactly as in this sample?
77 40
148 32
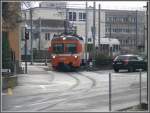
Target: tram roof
110 41
70 37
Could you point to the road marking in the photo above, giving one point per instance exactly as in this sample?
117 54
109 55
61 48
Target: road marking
42 86
10 92
4 94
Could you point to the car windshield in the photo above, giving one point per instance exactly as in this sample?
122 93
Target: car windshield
58 48
70 48
121 58
140 58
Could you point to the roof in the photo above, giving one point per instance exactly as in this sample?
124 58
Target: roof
68 37
48 23
110 41
129 55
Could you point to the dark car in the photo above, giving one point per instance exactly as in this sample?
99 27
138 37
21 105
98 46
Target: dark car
129 62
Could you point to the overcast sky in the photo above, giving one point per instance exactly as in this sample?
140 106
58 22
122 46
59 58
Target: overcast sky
122 5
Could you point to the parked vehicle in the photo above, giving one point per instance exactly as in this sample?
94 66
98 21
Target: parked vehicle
129 62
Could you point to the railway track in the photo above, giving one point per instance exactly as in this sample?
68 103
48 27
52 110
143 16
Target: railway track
76 85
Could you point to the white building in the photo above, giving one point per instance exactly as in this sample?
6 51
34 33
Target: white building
78 18
46 22
48 19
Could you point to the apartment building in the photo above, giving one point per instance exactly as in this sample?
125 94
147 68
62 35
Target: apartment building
128 27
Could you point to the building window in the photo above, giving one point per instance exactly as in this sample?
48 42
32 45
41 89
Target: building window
89 40
134 20
110 19
72 16
107 19
114 19
47 36
113 30
125 19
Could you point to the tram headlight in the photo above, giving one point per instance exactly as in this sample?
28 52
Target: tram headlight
53 57
76 56
64 38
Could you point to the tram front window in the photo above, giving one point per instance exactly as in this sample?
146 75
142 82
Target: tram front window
71 48
58 48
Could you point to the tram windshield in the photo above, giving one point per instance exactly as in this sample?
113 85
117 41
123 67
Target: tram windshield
58 48
70 48
64 48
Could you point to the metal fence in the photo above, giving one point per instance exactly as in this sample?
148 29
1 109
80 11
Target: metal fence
126 90
38 56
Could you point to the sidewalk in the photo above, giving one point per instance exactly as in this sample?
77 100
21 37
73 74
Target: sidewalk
12 81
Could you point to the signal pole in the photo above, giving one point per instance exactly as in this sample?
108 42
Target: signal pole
148 38
31 23
26 38
39 33
86 31
94 34
99 27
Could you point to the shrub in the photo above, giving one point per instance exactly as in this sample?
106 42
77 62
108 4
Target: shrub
102 59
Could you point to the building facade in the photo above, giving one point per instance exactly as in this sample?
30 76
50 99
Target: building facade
77 17
49 19
128 27
11 32
46 22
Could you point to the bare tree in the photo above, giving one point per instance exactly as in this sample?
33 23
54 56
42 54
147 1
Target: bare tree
10 14
27 4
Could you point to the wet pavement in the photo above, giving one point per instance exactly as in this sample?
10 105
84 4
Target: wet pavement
45 90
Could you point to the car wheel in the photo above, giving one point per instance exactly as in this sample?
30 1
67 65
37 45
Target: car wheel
130 69
116 70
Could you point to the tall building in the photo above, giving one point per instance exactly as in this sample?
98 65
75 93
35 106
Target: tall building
128 27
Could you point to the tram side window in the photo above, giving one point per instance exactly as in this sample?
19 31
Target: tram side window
58 48
71 48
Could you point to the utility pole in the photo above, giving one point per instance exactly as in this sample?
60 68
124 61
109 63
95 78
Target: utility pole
25 48
1 45
31 24
148 38
66 21
39 33
110 30
86 33
94 32
136 33
99 27
109 38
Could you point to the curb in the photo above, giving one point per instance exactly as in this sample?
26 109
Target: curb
9 82
142 107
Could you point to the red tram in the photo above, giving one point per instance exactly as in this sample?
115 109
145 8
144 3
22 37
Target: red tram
67 51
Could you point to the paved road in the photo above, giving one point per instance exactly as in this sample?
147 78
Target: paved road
42 90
